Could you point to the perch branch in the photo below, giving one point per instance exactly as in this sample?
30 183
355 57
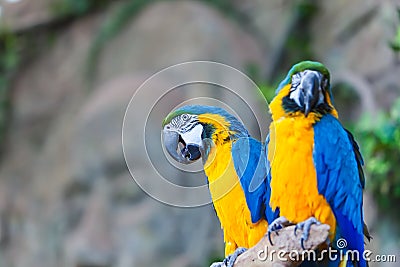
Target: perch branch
284 247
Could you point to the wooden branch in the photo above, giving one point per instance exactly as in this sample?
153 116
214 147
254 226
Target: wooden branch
285 246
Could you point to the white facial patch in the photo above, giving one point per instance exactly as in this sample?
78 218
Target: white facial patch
193 136
297 83
295 95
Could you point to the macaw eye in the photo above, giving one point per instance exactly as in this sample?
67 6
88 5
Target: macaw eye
185 117
167 127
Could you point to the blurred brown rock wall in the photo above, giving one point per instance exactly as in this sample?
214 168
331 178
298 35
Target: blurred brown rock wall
66 196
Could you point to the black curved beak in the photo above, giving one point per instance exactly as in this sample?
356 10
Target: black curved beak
310 90
188 154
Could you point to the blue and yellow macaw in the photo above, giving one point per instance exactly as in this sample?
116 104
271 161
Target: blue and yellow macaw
229 155
316 166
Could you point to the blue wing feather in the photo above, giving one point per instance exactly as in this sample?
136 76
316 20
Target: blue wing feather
338 163
359 158
250 165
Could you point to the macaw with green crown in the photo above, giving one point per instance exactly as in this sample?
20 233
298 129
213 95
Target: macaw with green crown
316 166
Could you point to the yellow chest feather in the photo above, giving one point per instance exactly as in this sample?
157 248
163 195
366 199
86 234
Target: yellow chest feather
294 179
294 187
229 201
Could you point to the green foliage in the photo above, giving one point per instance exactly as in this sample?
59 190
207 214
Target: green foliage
229 10
215 257
76 7
268 91
127 11
395 43
253 71
110 28
379 138
347 101
9 59
297 39
298 43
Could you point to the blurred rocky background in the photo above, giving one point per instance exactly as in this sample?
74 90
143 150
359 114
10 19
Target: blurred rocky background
69 67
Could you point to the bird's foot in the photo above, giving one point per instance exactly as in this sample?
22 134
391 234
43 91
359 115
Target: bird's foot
229 261
305 226
218 264
277 224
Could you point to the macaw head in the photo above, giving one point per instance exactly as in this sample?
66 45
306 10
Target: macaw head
190 131
306 89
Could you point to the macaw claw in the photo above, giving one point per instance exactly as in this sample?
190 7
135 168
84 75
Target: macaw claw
218 264
229 261
277 224
305 226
